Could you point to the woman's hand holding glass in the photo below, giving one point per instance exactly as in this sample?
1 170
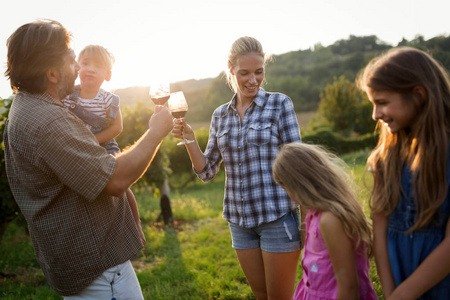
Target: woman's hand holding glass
180 128
179 107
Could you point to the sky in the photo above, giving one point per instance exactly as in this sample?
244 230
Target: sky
173 40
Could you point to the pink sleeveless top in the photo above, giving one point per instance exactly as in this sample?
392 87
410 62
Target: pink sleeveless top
318 281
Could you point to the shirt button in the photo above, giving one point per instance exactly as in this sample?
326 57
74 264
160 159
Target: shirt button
239 164
242 199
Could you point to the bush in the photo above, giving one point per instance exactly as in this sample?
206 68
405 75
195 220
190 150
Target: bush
345 108
178 156
8 206
135 123
341 145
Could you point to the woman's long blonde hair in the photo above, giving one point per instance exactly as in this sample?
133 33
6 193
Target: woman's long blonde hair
424 145
316 179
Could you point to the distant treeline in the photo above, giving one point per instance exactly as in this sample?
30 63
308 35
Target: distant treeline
302 74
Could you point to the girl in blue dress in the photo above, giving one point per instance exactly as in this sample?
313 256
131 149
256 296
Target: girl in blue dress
410 93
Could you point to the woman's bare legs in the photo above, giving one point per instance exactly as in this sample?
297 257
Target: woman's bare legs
270 275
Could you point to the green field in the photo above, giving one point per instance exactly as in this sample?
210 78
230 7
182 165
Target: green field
192 261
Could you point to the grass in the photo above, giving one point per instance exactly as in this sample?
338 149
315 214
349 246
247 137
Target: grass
194 260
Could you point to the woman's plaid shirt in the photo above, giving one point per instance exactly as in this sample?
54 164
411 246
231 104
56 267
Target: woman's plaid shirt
248 149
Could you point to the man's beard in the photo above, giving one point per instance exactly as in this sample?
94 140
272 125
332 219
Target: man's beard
67 84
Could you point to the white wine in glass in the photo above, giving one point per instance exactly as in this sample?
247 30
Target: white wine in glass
159 92
179 107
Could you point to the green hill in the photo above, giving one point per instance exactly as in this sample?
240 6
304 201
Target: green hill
301 74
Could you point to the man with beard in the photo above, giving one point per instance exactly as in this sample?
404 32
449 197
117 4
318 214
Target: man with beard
71 192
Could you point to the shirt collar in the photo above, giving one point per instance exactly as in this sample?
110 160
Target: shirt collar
45 97
259 100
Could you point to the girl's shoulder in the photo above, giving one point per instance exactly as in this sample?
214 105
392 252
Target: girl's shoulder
329 221
333 231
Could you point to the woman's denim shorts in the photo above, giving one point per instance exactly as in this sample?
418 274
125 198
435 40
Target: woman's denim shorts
282 235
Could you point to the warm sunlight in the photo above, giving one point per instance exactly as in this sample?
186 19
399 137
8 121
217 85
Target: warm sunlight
159 175
179 40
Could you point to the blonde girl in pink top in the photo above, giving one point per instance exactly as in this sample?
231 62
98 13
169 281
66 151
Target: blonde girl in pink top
338 235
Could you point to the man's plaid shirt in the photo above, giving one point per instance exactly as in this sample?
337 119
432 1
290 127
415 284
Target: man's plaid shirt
57 172
248 150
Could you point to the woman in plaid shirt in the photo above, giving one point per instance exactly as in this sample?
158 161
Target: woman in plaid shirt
245 135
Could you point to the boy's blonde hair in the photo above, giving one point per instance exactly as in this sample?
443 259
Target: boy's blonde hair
100 54
316 179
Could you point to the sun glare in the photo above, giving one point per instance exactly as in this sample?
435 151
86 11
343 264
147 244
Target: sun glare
181 40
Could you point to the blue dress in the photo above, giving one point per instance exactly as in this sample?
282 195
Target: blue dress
408 251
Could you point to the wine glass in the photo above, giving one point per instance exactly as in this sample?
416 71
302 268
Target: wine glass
178 107
159 92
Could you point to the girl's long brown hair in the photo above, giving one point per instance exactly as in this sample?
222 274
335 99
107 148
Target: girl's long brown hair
424 145
316 179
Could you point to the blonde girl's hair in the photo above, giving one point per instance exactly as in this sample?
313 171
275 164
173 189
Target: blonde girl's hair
100 54
316 179
242 46
424 145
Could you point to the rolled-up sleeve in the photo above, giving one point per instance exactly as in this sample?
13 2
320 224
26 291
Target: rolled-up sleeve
212 153
288 124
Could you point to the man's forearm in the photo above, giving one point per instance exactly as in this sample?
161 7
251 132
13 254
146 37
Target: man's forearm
132 163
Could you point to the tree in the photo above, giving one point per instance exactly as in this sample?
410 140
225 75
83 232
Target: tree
9 209
345 108
135 124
